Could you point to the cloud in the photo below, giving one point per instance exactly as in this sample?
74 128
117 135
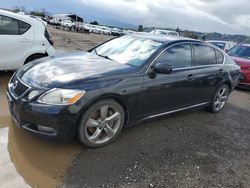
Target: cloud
202 15
226 16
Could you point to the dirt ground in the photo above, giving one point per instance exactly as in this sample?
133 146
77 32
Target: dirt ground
187 149
71 41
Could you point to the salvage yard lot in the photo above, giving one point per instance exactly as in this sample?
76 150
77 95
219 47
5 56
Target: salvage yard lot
187 149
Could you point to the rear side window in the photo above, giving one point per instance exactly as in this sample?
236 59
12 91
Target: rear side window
11 26
179 56
204 55
23 27
8 26
219 57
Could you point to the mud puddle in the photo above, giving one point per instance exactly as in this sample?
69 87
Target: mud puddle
25 159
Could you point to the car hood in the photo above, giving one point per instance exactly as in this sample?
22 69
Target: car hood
67 68
242 62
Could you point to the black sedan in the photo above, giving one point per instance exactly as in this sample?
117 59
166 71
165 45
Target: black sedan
119 83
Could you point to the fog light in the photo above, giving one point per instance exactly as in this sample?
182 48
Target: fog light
45 129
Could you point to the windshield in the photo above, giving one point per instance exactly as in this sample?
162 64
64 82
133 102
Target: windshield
240 51
128 50
221 45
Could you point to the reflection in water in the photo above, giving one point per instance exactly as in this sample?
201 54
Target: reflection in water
25 159
9 176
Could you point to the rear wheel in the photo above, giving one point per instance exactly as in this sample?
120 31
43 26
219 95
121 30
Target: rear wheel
219 99
101 123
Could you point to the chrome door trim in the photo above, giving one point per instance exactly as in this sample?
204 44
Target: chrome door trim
177 110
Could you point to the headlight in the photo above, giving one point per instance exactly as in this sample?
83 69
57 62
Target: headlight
61 96
32 94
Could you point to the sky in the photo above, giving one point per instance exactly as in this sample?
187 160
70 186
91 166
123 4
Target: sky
224 16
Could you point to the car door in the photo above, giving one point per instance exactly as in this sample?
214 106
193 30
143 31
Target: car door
166 92
16 41
209 70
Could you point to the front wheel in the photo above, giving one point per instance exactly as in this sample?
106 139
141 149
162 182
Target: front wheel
101 123
219 99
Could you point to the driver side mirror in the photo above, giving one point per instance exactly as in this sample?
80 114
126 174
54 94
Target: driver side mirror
162 68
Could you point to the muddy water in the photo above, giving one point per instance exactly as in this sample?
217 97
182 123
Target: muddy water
25 159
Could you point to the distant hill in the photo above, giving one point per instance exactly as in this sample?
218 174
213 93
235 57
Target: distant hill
109 22
208 36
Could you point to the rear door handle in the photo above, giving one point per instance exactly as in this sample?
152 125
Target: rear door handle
220 71
190 77
24 40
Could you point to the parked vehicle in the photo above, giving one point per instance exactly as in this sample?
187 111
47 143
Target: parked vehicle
23 39
67 24
54 22
119 83
224 45
106 31
116 32
241 55
81 27
164 32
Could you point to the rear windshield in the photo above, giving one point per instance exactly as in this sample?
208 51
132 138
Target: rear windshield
220 45
240 51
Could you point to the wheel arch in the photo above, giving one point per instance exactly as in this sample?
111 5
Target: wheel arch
116 97
38 55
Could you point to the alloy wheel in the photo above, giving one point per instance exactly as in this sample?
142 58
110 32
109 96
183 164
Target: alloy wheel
221 98
103 124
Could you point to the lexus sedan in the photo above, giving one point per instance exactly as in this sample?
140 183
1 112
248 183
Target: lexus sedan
117 84
241 55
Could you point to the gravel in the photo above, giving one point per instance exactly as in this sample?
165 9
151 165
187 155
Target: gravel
187 149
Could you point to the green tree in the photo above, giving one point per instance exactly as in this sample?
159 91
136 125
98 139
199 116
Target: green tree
16 9
94 23
140 28
178 30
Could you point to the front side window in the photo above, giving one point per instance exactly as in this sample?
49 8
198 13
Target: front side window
128 50
220 45
8 26
204 55
179 56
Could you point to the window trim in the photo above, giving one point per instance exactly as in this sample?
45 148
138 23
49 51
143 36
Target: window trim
18 23
192 52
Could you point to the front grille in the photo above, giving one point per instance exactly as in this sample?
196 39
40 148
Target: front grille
17 88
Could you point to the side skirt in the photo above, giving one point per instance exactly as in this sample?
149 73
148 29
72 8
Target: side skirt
177 110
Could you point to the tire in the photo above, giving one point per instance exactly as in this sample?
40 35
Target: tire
219 99
33 57
101 123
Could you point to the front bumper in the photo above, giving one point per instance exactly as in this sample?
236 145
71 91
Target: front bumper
51 121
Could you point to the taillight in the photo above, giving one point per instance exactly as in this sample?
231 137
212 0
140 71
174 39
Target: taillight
48 37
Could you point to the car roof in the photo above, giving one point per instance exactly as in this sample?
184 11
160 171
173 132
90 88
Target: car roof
26 18
162 38
164 30
221 41
244 44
